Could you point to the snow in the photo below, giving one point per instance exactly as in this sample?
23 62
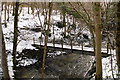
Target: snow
10 66
107 69
26 39
74 47
22 45
56 53
27 62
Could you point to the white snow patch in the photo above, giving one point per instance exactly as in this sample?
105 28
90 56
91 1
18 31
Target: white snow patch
10 65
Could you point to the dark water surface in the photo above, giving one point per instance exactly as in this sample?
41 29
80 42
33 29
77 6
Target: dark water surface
69 66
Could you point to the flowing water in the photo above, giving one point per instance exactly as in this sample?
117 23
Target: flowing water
70 65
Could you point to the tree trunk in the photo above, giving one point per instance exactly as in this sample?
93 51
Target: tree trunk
62 43
15 34
82 46
28 8
3 54
98 41
118 39
20 11
32 10
8 11
46 39
13 9
2 5
64 22
71 46
53 38
5 15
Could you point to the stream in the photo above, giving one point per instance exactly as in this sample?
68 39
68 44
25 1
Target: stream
58 66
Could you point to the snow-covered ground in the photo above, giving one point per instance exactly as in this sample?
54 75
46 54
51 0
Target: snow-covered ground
26 39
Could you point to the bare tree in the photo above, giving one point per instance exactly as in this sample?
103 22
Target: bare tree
5 12
46 37
3 54
15 33
118 38
97 18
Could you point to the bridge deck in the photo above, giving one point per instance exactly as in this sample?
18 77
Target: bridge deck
68 49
